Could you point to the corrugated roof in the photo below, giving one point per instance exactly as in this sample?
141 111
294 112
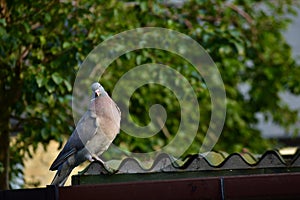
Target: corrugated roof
217 175
197 165
198 162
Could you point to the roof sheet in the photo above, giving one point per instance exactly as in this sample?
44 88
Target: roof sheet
197 162
197 165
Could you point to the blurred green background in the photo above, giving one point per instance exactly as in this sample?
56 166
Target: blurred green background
43 43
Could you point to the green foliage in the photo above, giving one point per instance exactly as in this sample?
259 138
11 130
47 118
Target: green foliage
42 43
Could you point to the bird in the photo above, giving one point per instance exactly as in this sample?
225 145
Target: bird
92 136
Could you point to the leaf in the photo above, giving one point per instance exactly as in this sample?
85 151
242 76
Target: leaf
50 87
68 86
41 81
57 78
240 48
3 22
66 45
42 40
139 60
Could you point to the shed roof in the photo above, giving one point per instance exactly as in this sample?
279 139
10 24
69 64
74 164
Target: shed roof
273 175
197 165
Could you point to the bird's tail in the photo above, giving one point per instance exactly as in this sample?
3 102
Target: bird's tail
62 175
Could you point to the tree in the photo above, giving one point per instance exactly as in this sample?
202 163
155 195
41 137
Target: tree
38 63
43 43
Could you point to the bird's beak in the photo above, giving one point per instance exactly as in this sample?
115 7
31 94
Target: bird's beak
97 93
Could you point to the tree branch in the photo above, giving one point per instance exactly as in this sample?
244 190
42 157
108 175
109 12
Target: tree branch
241 12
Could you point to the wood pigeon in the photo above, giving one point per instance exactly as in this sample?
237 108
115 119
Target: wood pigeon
94 132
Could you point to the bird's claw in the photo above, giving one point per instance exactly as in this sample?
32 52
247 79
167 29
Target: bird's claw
107 169
96 158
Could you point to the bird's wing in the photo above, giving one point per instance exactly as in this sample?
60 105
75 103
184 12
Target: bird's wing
85 130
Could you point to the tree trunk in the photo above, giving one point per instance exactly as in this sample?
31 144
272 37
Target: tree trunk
4 117
4 152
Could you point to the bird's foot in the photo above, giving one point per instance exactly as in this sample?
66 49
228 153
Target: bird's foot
108 169
96 158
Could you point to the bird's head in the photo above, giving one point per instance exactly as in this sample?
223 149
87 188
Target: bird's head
97 89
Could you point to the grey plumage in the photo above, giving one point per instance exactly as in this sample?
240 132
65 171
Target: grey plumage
94 133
